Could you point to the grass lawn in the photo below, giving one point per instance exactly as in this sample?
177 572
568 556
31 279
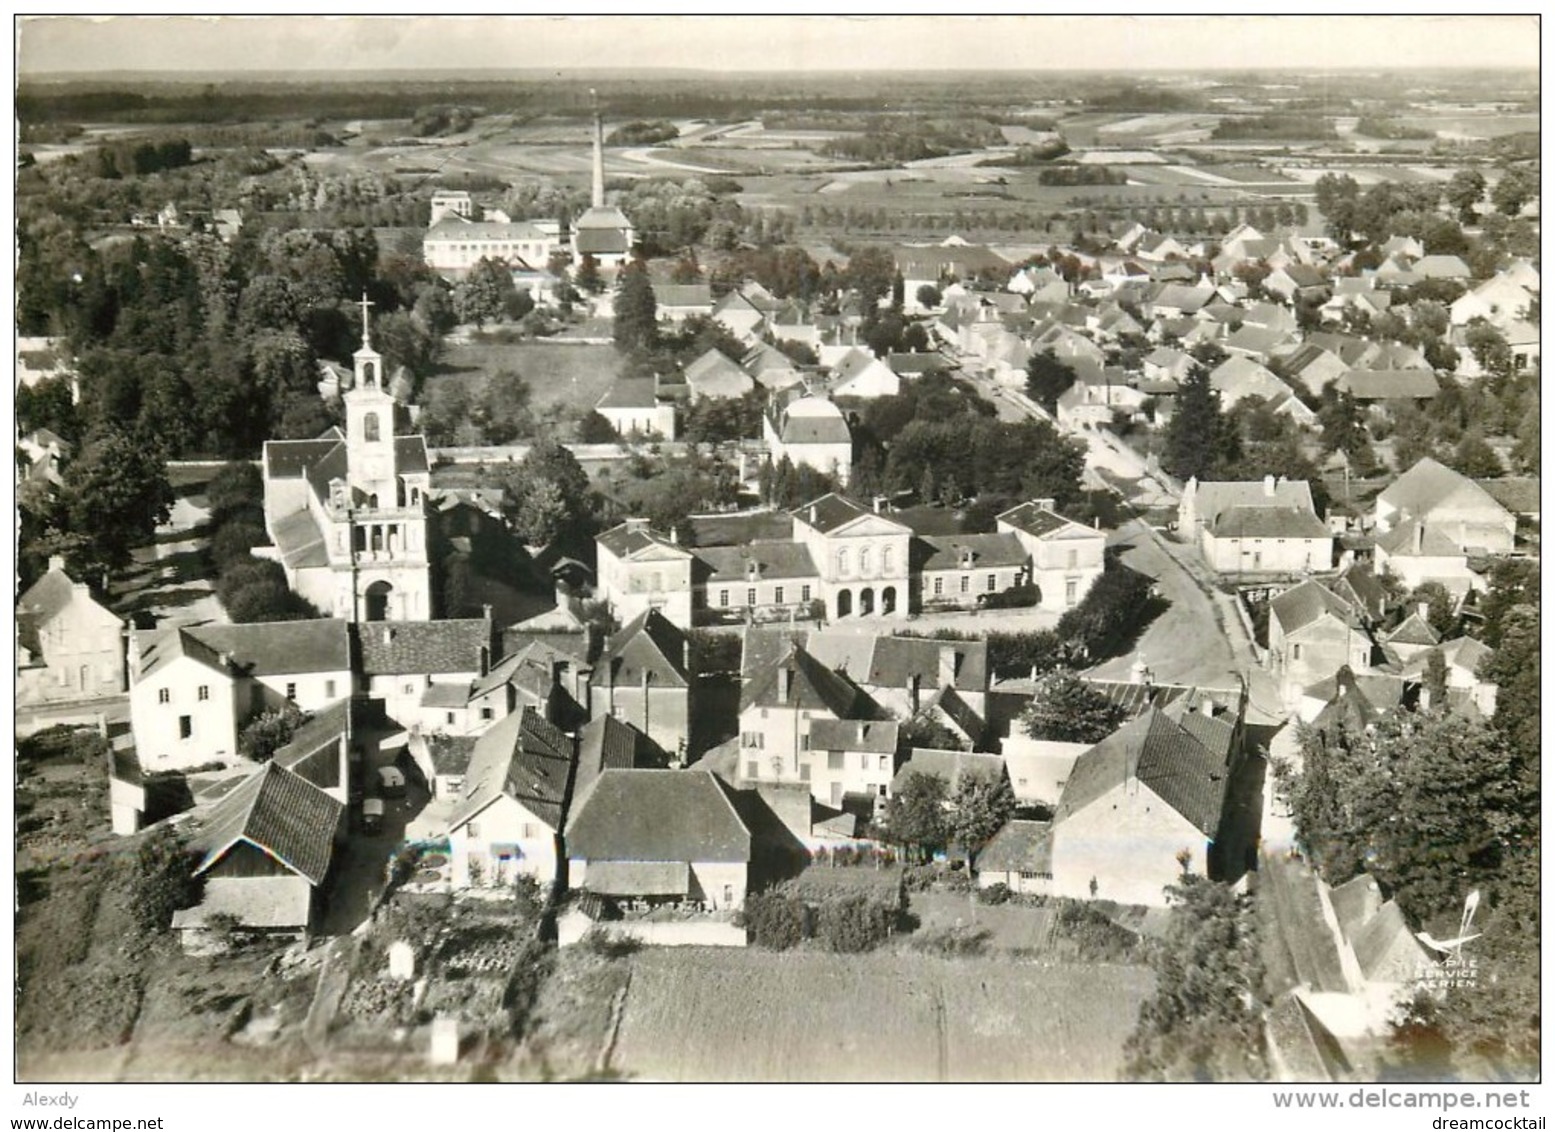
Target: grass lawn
708 1014
571 378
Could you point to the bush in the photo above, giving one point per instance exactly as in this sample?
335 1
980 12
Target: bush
524 983
956 880
162 881
998 893
236 486
776 920
1093 935
1014 655
608 945
853 923
958 941
232 542
1016 597
919 878
269 732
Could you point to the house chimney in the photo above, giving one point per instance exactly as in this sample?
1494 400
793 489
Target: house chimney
485 660
674 535
1268 485
914 690
56 563
812 514
947 666
388 635
785 682
1207 707
1424 609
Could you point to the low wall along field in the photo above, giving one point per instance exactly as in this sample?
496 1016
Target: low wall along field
751 1015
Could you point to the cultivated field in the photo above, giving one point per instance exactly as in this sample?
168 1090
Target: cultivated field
731 1015
574 376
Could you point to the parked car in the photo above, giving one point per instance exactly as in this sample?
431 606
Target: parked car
372 816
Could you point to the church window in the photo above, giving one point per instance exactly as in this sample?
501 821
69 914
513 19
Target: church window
370 376
370 421
863 560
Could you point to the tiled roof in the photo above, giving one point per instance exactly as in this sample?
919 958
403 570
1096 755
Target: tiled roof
949 766
289 459
832 511
324 726
410 454
299 540
1164 756
630 393
866 736
1389 384
896 660
1269 522
1035 520
1400 542
439 695
813 420
683 295
1460 652
1413 630
451 226
424 647
774 558
1215 496
1256 340
264 648
525 757
811 686
1020 846
1304 603
279 812
649 646
628 538
947 552
1428 483
657 815
714 375
48 597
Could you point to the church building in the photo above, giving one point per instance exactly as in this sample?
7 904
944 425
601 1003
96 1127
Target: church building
347 514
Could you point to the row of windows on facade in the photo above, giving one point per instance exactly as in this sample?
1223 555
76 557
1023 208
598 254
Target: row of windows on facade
835 760
85 672
526 832
934 585
491 248
887 560
203 692
753 770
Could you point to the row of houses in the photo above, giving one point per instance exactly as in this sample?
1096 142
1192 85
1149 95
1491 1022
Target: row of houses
851 559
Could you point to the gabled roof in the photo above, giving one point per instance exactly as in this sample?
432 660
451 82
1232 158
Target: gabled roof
1389 384
713 374
278 812
811 686
1307 601
1428 484
264 648
949 552
327 725
628 539
1268 522
605 743
649 647
657 815
524 757
1461 652
1257 340
630 393
51 595
683 295
1039 521
1211 497
1165 756
948 766
289 459
878 737
812 420
1358 585
832 512
774 559
1019 847
425 647
896 660
1400 542
1413 630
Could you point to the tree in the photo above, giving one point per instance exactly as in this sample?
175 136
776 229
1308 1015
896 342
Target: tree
929 296
1205 1020
636 310
871 271
1514 669
1438 606
593 428
1513 582
1199 440
1464 191
978 810
1474 458
1067 709
505 410
1338 199
1436 679
1047 379
588 278
1489 347
915 815
1517 186
236 486
547 497
269 731
481 296
162 880
115 495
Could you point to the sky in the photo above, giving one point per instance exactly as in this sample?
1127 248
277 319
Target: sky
768 43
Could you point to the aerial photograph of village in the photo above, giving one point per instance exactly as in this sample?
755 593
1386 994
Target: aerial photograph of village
755 549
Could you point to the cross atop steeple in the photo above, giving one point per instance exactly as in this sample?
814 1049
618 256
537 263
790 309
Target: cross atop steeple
367 334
